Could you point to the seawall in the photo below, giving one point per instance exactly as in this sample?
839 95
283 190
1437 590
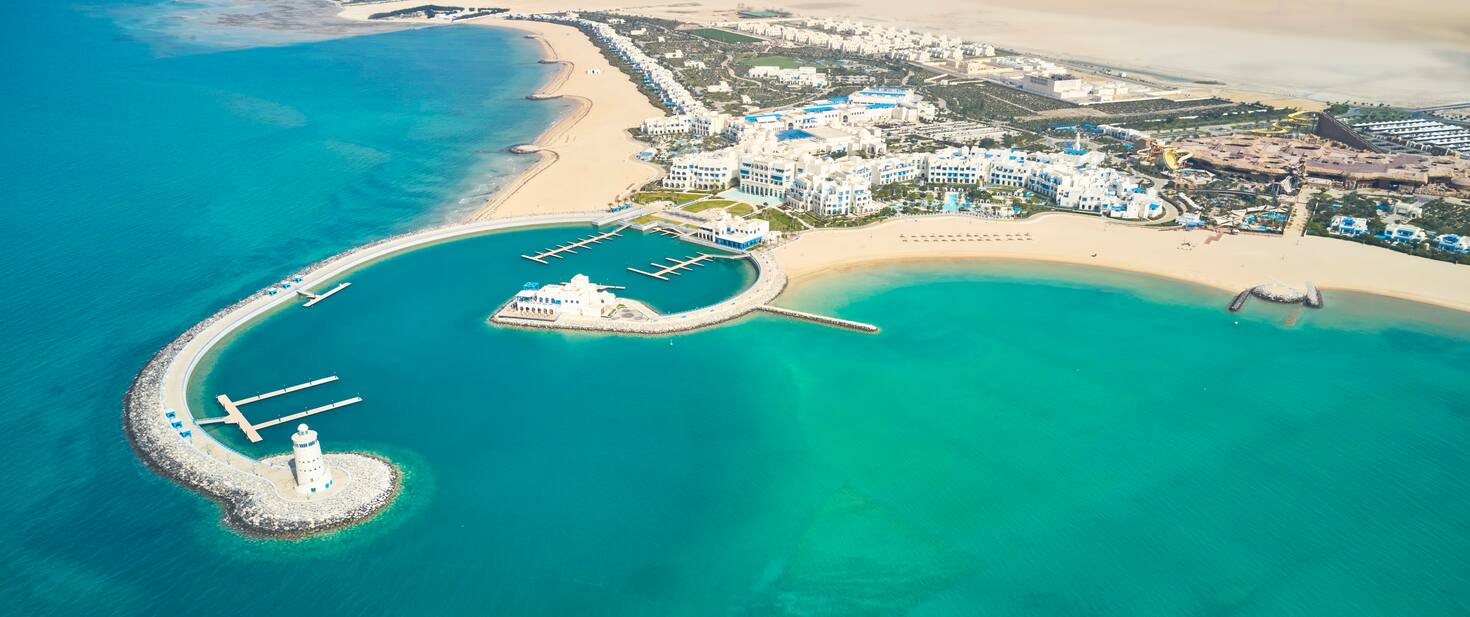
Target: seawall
257 496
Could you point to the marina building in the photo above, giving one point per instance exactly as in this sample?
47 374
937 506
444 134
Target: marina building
733 232
579 297
312 475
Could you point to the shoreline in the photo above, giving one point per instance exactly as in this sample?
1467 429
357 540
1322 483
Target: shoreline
1229 264
581 158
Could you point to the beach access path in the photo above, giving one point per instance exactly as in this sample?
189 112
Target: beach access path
1233 263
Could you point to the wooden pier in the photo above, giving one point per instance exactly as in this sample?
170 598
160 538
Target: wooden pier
571 247
234 416
313 298
664 271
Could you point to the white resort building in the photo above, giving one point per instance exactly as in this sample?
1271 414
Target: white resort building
804 77
1077 182
579 297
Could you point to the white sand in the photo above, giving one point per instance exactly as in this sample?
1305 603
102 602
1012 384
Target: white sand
587 155
1232 263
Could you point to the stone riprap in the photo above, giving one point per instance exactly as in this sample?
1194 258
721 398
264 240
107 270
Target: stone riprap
258 497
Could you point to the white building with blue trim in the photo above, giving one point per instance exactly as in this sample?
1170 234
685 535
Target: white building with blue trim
1351 226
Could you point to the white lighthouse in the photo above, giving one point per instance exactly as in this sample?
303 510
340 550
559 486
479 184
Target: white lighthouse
312 475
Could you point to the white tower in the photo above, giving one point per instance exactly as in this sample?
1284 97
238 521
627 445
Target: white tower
312 475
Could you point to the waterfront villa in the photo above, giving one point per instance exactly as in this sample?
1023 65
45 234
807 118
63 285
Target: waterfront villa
1352 226
1454 243
579 297
1403 232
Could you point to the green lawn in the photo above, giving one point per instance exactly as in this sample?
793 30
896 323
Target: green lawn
733 207
647 197
723 36
780 221
785 62
707 204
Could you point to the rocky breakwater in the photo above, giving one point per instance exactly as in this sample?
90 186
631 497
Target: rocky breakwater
1279 292
256 497
259 497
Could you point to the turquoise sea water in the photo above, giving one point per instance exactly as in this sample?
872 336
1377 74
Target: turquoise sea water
1019 440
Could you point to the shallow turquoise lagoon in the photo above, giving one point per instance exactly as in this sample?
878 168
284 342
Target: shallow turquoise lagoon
1020 439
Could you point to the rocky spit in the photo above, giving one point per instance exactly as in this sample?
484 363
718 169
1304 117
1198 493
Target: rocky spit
251 502
1278 292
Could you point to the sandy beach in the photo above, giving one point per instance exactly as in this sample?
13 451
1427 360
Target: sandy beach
587 155
1231 263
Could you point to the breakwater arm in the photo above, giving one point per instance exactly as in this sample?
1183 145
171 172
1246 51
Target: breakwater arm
258 496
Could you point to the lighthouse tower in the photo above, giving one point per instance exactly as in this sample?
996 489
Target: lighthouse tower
312 475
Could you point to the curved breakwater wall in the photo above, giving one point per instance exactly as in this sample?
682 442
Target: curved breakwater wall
257 496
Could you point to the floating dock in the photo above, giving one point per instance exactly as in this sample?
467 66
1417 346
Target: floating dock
571 247
234 416
664 271
821 319
315 298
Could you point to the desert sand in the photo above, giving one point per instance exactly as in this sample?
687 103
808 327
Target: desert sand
1409 52
1232 263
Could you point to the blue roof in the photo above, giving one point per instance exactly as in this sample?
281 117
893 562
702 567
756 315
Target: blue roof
820 108
881 105
792 134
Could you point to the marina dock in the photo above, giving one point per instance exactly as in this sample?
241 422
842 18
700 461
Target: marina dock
313 298
234 416
664 271
571 247
821 319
